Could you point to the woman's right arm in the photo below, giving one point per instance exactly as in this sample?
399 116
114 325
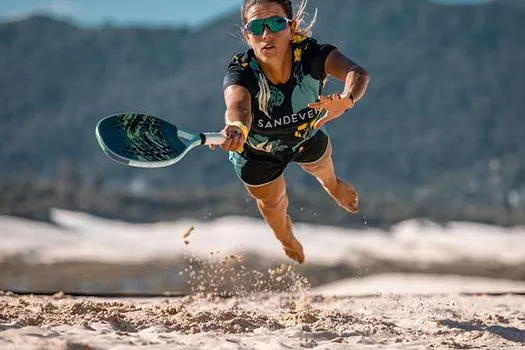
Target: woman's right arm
238 111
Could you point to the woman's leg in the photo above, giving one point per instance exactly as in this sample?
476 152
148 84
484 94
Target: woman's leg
342 192
272 202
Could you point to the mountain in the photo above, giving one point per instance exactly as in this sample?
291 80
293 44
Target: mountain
443 117
516 3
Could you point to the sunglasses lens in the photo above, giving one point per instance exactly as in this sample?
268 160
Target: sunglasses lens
256 26
275 24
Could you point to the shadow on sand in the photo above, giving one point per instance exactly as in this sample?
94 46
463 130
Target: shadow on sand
510 333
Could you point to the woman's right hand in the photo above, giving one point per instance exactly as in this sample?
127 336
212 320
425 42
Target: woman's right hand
234 138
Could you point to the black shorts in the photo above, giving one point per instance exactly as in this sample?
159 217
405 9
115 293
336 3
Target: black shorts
257 168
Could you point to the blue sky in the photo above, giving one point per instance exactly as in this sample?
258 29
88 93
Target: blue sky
170 12
149 12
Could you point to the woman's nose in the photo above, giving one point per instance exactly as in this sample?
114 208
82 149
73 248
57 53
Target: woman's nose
267 33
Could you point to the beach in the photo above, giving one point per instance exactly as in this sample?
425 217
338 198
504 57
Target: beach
264 321
210 285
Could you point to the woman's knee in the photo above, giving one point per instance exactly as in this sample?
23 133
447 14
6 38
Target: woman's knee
279 202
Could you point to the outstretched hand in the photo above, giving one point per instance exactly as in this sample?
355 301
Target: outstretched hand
234 138
334 104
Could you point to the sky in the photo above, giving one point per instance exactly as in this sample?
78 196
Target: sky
123 12
152 12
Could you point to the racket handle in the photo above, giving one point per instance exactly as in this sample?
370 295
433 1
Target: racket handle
213 138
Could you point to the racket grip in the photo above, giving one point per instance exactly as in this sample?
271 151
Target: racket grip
212 138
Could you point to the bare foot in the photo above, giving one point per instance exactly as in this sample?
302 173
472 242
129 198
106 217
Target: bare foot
295 251
345 195
292 247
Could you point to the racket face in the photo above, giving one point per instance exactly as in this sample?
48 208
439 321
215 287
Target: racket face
144 141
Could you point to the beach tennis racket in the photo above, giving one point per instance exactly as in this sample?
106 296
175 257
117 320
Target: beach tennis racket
144 141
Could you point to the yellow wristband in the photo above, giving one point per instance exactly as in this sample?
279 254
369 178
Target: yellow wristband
240 125
244 131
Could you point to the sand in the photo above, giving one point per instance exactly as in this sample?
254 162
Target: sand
264 321
416 286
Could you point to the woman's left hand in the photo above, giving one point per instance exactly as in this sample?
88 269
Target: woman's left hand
334 104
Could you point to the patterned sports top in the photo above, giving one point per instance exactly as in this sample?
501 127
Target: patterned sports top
289 121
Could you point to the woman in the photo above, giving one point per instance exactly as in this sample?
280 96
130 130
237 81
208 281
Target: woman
275 111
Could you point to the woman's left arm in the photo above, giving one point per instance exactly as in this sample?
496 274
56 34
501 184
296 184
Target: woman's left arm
355 77
356 81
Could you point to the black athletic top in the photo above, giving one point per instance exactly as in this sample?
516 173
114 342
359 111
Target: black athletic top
290 120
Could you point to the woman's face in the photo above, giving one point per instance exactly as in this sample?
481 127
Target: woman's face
268 46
